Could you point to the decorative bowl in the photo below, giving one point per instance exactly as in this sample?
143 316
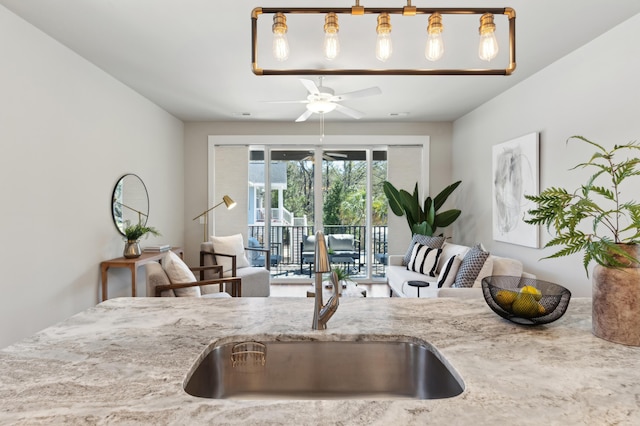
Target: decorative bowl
525 301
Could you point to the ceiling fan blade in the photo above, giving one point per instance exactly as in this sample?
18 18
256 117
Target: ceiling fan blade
350 112
304 116
336 154
288 102
310 86
371 91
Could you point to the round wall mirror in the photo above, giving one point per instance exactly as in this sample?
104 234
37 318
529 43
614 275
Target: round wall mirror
129 202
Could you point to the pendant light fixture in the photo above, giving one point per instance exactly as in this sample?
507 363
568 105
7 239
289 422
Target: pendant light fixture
433 50
331 45
435 45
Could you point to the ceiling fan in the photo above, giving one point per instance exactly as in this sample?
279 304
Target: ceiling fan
322 99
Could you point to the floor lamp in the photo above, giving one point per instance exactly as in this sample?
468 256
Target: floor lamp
226 200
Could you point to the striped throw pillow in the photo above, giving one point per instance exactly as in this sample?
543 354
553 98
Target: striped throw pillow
424 260
425 240
449 270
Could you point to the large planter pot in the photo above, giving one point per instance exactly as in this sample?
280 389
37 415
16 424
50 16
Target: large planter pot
616 301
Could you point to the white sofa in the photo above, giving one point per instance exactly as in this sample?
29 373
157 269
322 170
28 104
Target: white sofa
398 275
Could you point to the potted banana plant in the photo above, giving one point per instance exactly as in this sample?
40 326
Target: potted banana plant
422 218
598 221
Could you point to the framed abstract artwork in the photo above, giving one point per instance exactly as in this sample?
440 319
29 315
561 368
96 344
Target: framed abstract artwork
515 173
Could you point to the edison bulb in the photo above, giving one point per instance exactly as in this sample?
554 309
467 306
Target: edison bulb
280 47
488 48
435 47
383 46
331 46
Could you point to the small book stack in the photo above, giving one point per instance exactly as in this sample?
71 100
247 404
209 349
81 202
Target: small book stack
156 249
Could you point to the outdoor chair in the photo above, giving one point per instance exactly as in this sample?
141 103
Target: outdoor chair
308 252
381 254
258 258
343 248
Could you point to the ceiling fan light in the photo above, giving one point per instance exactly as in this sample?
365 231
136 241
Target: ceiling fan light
331 45
280 42
321 107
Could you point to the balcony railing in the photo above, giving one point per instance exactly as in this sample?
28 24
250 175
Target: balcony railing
283 216
286 240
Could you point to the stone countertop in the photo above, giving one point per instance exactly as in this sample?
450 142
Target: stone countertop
125 360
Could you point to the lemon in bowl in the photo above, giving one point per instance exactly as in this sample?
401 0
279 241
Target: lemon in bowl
505 298
525 305
529 289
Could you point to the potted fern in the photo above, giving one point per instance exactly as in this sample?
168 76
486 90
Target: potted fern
595 219
347 286
133 234
343 275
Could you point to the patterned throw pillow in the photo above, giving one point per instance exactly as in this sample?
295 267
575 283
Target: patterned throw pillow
487 270
470 267
449 271
424 260
425 240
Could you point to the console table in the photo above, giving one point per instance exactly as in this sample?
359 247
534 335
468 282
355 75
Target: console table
132 264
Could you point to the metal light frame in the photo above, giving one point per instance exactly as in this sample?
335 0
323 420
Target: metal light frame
406 11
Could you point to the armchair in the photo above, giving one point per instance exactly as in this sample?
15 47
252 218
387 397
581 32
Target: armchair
159 284
229 252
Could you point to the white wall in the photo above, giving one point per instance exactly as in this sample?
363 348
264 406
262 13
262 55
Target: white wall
196 140
68 131
594 92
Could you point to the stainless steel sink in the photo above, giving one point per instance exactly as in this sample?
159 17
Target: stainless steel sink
303 369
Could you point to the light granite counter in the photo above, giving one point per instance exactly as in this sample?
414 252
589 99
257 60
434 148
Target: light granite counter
124 362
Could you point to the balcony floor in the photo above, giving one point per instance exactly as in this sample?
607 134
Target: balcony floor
292 270
300 290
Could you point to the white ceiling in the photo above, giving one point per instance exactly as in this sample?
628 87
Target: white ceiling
192 57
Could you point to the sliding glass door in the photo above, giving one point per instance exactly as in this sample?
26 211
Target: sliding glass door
334 189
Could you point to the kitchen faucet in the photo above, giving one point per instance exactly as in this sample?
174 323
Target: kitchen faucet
322 313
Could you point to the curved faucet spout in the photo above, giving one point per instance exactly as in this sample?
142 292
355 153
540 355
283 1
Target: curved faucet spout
322 313
327 311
